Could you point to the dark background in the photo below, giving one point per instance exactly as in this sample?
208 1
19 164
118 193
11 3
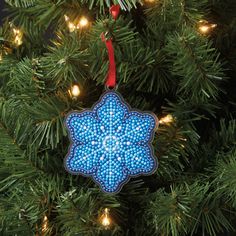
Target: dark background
2 13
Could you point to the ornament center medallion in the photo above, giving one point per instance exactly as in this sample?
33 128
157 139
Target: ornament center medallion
110 143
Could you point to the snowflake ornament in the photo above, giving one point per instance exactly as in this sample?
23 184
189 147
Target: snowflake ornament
111 142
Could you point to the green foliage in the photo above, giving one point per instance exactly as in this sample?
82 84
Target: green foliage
186 208
67 62
15 171
20 3
5 68
163 65
83 207
174 143
212 216
24 79
173 212
225 138
136 63
165 16
174 12
196 65
224 176
125 5
15 119
48 117
9 152
6 35
156 73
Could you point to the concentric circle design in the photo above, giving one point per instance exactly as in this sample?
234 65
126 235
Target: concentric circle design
111 143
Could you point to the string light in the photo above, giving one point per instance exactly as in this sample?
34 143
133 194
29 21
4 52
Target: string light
71 27
105 218
45 224
83 22
18 36
166 119
74 91
66 18
205 27
1 58
149 1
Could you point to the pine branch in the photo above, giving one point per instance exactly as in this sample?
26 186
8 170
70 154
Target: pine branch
174 143
25 79
47 115
223 173
165 16
14 164
20 3
217 143
66 62
7 38
125 4
167 10
224 139
186 209
83 207
6 66
187 111
173 212
159 56
196 63
136 63
9 150
212 217
16 121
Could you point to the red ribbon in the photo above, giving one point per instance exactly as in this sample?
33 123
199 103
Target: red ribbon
111 77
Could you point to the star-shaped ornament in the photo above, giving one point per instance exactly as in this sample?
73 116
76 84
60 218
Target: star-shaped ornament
111 142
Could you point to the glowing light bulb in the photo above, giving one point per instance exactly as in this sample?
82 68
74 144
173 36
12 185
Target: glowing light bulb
213 26
205 27
105 219
70 24
83 22
18 41
1 57
66 17
18 36
45 224
71 27
74 91
149 1
166 119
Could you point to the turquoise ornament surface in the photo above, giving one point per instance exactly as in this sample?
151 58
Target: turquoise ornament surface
111 142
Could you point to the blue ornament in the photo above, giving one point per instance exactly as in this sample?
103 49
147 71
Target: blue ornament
111 142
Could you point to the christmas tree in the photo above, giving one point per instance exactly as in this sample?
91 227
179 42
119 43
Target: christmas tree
175 58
